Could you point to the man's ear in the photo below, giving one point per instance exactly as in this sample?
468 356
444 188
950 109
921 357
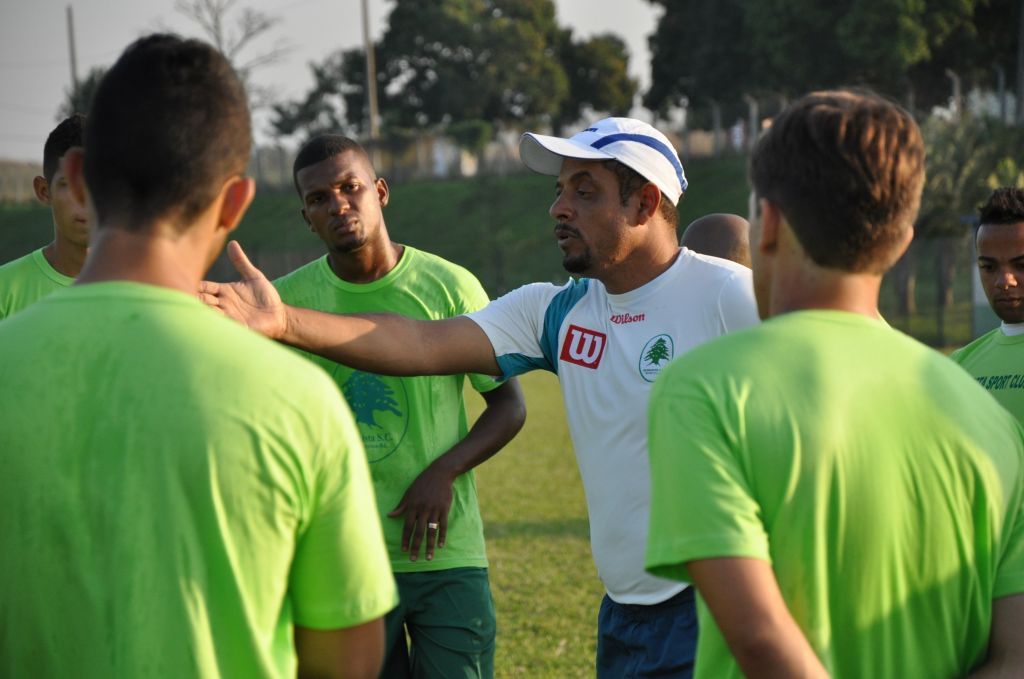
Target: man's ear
383 192
650 201
771 222
237 194
41 187
73 167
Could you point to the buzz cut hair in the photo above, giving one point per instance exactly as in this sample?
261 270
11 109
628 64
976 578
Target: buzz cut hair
68 134
168 127
323 147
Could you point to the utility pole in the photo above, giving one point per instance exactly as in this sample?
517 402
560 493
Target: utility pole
71 50
371 75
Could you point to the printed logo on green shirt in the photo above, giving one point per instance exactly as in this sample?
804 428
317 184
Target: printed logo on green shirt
655 355
380 406
996 382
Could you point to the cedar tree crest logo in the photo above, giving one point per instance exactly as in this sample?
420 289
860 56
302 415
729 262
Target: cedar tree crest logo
583 347
655 355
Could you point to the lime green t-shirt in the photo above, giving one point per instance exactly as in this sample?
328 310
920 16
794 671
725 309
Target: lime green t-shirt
881 482
26 280
177 492
406 422
997 362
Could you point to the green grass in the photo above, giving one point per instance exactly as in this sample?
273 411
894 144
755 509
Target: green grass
546 589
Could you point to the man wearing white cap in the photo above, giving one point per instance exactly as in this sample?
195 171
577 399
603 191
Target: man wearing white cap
641 301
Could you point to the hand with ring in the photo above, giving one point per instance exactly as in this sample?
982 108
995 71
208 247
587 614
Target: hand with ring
424 508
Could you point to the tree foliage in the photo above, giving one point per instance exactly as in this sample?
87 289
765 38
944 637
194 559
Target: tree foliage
444 62
234 34
79 99
721 49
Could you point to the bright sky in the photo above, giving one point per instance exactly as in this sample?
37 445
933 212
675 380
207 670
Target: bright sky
35 69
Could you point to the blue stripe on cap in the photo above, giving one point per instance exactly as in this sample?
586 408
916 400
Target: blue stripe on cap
660 147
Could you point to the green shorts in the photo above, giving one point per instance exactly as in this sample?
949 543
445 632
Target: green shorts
443 627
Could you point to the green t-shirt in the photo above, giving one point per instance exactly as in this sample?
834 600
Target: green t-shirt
26 280
176 493
997 362
879 480
406 422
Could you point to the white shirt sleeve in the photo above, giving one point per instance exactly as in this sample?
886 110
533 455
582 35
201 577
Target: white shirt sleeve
737 306
515 325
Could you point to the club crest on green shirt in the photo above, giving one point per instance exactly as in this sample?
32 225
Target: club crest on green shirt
380 406
655 355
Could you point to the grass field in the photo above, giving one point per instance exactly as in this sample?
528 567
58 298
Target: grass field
545 586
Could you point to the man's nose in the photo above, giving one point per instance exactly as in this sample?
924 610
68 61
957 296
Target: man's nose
560 209
1006 280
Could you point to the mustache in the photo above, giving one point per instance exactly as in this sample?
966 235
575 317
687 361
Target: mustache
562 228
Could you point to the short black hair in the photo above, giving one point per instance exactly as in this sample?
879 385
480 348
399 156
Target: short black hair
66 135
846 168
169 125
1004 206
630 181
322 147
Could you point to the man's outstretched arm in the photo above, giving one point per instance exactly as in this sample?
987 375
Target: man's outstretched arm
748 608
429 498
386 344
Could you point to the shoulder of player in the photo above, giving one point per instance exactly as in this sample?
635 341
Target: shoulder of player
968 350
443 269
299 276
15 266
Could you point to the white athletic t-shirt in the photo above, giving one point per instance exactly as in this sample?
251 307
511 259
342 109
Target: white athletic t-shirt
606 350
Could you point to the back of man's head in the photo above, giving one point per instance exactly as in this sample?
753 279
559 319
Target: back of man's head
846 169
322 147
68 134
719 235
1004 206
168 126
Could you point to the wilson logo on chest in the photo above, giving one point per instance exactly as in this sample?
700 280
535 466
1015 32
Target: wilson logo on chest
583 347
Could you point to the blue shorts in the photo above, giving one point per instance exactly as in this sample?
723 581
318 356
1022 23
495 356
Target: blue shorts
635 641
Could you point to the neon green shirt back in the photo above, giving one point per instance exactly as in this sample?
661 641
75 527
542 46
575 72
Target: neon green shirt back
405 422
177 493
997 362
26 280
884 486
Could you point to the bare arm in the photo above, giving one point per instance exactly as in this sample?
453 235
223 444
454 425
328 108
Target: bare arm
748 607
429 498
349 653
1006 642
386 344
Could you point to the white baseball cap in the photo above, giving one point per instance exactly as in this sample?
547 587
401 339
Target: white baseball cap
631 142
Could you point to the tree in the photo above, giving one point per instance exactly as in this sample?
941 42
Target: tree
79 99
722 49
598 72
233 38
337 101
699 51
446 62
